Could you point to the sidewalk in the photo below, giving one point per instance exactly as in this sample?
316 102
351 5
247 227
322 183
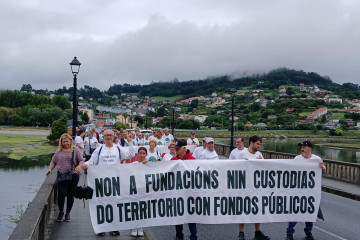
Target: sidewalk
340 188
80 226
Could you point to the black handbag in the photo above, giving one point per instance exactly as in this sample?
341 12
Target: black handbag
66 176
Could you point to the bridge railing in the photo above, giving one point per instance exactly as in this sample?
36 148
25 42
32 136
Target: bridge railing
343 171
34 222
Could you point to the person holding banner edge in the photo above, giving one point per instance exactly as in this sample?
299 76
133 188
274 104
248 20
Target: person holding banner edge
306 153
182 153
109 153
142 153
252 152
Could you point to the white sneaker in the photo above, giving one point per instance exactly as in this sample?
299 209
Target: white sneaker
140 232
134 232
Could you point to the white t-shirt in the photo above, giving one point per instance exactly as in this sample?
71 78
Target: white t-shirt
110 155
168 139
235 153
245 154
146 142
168 157
194 141
160 142
79 140
208 155
197 151
140 141
153 157
313 157
90 143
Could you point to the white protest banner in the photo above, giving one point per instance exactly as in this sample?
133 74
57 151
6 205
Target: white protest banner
135 195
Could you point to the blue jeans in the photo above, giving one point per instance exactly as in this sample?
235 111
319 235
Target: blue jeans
192 229
307 229
65 189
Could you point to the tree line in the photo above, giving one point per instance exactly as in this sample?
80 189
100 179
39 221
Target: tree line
25 109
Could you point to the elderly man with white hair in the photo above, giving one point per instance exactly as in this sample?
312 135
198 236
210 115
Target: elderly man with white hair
167 137
108 154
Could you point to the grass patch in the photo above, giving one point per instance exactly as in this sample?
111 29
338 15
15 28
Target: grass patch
174 98
9 141
19 153
337 115
20 146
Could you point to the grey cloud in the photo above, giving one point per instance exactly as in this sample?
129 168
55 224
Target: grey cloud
183 40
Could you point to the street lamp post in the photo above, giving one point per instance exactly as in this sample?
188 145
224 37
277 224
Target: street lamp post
233 91
75 67
173 118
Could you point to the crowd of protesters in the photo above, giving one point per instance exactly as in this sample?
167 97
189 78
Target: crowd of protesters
113 146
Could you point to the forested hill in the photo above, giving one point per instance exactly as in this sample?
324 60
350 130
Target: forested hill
272 81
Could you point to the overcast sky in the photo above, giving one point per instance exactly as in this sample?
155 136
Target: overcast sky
158 40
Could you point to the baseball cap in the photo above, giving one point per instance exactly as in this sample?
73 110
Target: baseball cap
204 139
180 143
306 143
209 139
192 132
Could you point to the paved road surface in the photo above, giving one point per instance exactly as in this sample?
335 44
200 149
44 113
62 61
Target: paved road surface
342 221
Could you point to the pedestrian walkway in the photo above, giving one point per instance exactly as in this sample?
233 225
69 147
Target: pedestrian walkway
80 225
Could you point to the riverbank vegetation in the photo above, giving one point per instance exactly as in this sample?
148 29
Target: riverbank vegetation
17 147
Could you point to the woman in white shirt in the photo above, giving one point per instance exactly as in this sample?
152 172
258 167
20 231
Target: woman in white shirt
169 156
153 154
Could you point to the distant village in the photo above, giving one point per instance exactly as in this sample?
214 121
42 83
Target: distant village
126 106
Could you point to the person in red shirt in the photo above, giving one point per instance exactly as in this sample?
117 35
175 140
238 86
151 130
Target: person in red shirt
182 153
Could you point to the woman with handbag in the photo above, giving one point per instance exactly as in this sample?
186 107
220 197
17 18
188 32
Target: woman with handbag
68 161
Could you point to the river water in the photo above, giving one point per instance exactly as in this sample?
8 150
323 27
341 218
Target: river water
21 179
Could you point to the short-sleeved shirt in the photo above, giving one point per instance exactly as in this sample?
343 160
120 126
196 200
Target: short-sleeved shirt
245 154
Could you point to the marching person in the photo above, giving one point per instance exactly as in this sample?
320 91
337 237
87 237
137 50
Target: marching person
95 133
306 153
142 153
252 153
197 151
209 153
192 140
66 158
153 154
182 153
159 139
167 137
108 154
171 154
79 141
240 143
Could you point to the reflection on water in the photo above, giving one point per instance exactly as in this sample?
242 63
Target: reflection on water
25 163
20 181
291 146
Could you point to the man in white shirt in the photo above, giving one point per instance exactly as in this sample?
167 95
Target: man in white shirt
167 137
306 153
209 153
159 139
240 143
192 140
197 151
252 152
109 153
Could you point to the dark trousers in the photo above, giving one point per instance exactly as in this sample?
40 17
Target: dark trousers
65 189
307 229
192 229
